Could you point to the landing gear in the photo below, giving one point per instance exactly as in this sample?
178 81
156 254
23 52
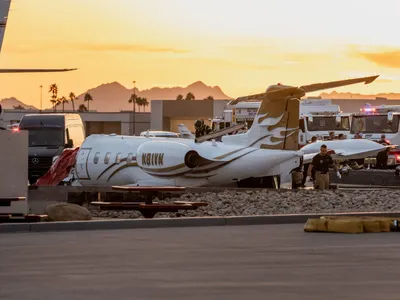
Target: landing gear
269 182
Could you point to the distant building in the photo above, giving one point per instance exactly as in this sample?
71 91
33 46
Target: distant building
95 122
167 114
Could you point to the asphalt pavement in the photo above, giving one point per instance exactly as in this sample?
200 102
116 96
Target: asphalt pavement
227 262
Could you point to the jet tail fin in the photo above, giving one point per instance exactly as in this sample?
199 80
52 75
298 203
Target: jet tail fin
276 123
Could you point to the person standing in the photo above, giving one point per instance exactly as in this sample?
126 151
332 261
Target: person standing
382 157
321 163
201 128
303 181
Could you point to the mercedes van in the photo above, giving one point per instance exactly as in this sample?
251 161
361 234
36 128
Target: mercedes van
49 135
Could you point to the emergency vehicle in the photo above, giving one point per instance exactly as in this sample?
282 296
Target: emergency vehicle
317 118
373 121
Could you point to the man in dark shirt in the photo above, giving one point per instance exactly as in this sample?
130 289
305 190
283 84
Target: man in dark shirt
322 162
382 157
306 166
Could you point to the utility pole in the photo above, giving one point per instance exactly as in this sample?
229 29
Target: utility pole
134 109
41 97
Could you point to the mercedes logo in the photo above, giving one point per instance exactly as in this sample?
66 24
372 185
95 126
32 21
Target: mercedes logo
35 160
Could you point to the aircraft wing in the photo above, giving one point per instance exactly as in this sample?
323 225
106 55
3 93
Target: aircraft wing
332 84
346 154
35 70
289 90
253 97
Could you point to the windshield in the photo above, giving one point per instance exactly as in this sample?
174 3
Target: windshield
374 124
45 137
328 124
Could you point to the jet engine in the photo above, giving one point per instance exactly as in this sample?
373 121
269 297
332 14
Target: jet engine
162 158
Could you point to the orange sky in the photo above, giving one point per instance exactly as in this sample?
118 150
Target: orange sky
242 46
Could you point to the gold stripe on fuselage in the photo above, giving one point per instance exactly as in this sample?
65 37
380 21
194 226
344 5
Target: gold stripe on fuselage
179 166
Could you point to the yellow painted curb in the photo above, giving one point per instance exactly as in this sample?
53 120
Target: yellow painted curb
362 224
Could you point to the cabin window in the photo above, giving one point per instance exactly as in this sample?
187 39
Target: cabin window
96 157
129 158
107 158
118 158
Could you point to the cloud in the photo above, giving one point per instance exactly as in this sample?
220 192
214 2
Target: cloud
384 57
231 63
130 48
389 59
95 48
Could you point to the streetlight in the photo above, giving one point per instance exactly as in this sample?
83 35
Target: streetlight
133 108
41 94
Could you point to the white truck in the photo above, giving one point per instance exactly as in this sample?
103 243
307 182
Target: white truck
317 118
373 121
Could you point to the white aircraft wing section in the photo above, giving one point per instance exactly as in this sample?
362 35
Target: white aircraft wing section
344 149
35 70
4 14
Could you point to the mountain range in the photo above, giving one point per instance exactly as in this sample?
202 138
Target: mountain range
111 97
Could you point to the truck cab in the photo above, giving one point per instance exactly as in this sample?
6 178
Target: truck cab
372 122
49 135
223 121
319 124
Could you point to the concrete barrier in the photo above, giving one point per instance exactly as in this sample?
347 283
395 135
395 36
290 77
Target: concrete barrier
106 224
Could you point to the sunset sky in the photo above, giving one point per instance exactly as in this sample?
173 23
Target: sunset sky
241 46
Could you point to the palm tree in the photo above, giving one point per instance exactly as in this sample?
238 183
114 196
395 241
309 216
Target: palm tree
209 98
58 102
54 90
179 97
134 100
189 96
63 100
87 99
145 103
72 98
139 102
82 108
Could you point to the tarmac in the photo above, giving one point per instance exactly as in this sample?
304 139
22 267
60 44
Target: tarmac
225 262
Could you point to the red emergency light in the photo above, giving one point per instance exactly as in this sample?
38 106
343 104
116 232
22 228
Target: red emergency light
368 109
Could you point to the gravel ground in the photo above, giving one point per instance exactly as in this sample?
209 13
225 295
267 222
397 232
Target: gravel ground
264 202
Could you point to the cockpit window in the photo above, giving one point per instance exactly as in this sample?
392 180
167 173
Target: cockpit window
118 158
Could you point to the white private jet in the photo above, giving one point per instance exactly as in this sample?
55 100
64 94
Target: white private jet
344 149
185 132
255 158
4 11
